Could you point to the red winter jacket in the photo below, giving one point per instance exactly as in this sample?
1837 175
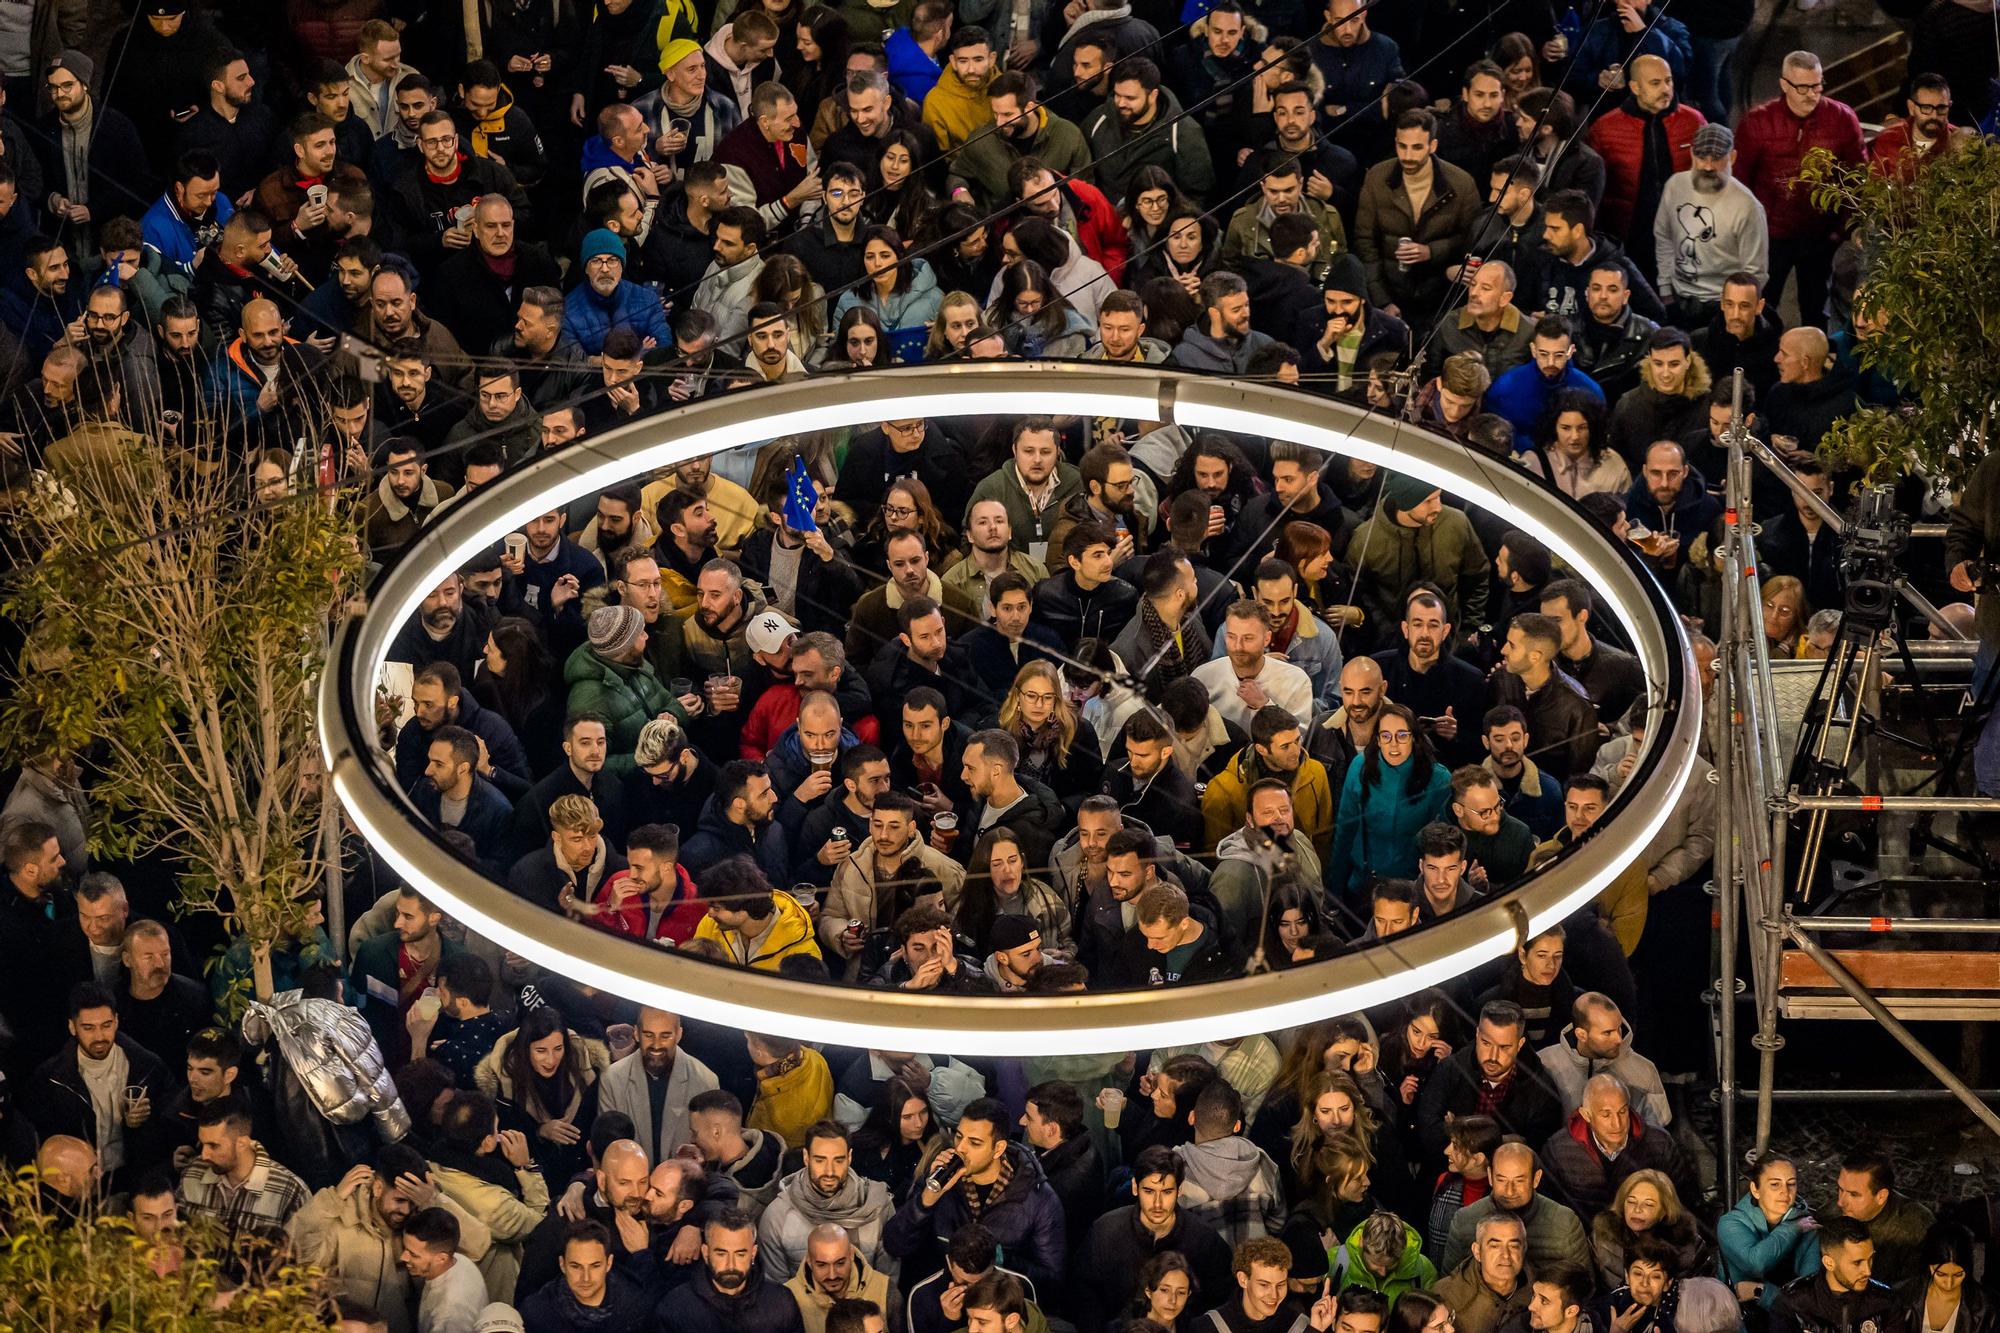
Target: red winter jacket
1770 144
1099 229
1894 152
1620 139
676 926
331 29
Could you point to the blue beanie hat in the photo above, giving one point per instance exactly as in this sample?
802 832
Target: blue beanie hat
602 241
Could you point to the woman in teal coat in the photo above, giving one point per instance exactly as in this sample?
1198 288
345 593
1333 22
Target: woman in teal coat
1769 1238
1393 789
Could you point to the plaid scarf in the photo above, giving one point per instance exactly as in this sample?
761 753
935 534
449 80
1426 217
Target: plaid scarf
1180 658
975 1200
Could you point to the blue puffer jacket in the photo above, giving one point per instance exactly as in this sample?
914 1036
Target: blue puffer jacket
1376 833
587 317
788 766
1755 1251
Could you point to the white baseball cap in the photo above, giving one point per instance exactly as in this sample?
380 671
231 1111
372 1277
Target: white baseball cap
769 633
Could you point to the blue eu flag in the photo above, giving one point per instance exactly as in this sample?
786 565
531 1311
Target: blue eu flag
800 497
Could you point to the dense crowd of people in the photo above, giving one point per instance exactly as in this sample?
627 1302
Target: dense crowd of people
990 706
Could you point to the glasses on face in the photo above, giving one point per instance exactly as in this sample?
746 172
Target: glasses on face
1037 697
1393 737
1932 108
899 511
1804 87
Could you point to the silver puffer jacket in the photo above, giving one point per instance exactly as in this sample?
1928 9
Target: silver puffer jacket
328 1045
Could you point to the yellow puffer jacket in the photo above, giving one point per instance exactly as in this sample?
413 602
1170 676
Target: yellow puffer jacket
791 933
1227 800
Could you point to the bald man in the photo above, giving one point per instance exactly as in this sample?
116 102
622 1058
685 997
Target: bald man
833 1270
1633 177
655 1083
478 288
1555 1233
69 1169
1346 731
618 1200
247 384
1807 399
1960 616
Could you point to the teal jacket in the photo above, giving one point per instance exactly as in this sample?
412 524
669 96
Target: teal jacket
626 697
1375 833
1755 1251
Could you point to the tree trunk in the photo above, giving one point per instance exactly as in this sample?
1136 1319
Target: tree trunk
260 972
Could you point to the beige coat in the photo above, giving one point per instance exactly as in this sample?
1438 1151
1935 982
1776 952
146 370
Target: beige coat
814 1303
853 895
508 1220
348 1238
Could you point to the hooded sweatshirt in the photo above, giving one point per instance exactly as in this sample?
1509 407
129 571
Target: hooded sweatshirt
1569 1071
861 1205
955 112
790 932
1232 1185
1412 1269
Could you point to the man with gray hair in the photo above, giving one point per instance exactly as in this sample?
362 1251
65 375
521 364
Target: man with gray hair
874 112
1709 226
1771 140
1489 1287
159 1008
1604 1143
1555 1233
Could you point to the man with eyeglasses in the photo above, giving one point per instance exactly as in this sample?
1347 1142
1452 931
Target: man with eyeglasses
1902 147
92 162
1771 140
831 247
501 413
604 301
899 449
432 201
1495 841
118 346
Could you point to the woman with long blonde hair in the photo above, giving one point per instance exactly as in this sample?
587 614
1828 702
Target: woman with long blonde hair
1334 1105
1055 750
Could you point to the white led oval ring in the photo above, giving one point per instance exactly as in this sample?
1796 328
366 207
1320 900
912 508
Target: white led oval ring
1092 1022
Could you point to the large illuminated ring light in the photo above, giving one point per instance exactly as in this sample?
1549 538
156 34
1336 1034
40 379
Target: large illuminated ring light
1007 1025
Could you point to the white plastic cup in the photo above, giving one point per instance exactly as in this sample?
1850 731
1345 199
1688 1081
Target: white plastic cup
1112 1102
